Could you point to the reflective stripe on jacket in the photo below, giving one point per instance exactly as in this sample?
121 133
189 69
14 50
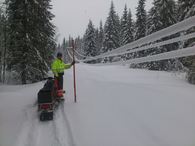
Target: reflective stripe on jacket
58 66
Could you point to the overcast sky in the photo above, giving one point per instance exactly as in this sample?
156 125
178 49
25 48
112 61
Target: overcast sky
72 16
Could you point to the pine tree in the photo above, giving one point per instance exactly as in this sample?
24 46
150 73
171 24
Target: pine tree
191 12
111 30
89 40
153 20
1 43
127 27
141 20
161 15
186 9
31 40
97 41
130 33
140 26
101 37
3 40
64 49
124 27
130 28
59 48
67 51
46 31
126 30
79 48
167 16
118 26
64 44
167 12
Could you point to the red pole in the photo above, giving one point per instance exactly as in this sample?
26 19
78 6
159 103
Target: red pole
74 73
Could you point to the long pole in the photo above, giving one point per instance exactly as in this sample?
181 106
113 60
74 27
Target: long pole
74 72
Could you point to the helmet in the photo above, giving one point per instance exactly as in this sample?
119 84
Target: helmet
59 54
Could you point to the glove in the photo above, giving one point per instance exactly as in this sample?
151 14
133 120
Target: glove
56 76
73 62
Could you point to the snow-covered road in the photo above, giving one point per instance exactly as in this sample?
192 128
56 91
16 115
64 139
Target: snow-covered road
116 106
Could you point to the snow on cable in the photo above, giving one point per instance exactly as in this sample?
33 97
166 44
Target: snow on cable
181 26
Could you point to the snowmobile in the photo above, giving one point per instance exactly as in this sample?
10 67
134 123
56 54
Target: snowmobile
49 98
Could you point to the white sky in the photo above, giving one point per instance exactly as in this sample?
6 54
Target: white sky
72 16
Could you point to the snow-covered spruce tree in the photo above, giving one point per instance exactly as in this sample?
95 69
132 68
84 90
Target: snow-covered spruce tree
97 42
118 25
31 40
130 33
130 28
140 28
59 48
153 20
186 9
153 25
64 49
141 20
161 15
126 29
63 44
46 31
101 37
3 40
89 40
124 19
167 12
79 48
191 12
1 43
111 31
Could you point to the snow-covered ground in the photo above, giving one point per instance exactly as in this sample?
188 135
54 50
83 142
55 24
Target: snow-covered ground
116 106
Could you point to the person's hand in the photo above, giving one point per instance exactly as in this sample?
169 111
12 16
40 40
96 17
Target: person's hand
73 62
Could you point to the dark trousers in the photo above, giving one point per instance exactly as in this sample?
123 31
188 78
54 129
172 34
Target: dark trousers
60 81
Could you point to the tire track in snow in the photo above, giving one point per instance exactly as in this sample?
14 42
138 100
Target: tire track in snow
51 133
63 128
36 133
28 127
69 130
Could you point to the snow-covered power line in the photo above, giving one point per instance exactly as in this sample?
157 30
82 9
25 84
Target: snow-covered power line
76 54
80 54
71 56
76 57
84 56
174 40
176 28
190 51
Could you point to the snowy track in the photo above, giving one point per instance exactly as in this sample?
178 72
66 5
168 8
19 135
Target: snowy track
52 133
116 106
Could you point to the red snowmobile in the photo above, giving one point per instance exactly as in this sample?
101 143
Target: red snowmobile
49 98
